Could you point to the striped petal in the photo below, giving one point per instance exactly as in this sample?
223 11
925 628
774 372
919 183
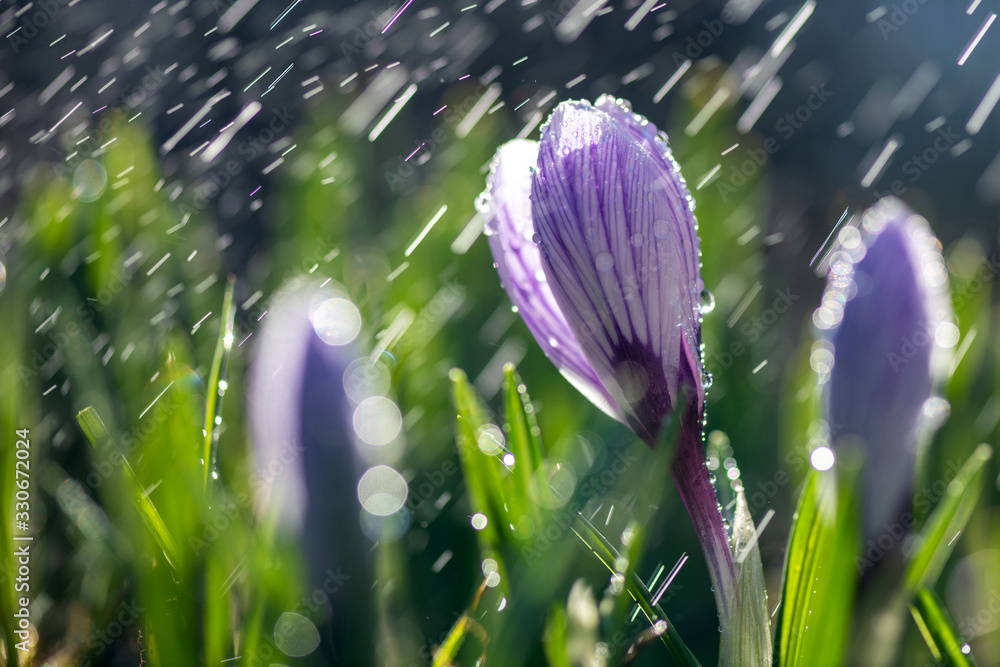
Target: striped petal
519 263
621 253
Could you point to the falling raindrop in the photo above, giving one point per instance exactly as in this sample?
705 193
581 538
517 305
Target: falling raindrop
707 302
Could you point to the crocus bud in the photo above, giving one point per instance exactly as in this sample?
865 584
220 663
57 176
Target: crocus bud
306 458
890 326
620 246
603 264
614 298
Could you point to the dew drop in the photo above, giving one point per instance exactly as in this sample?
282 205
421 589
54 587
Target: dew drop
707 302
536 239
605 262
484 204
638 240
706 379
661 229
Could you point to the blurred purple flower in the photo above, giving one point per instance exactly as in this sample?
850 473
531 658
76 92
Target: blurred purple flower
594 236
305 453
890 327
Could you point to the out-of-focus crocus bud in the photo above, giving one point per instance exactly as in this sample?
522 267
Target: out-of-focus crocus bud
890 329
308 469
594 236
595 239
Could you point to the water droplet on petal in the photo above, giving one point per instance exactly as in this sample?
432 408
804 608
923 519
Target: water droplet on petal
484 204
536 238
707 302
638 240
706 379
605 262
661 229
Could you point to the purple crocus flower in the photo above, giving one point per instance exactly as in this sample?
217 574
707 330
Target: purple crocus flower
594 236
307 468
890 327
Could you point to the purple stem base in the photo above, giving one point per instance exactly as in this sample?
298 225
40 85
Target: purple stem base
698 493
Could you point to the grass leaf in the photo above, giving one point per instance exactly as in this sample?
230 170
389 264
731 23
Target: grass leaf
522 438
608 555
939 630
819 575
482 471
97 432
213 394
949 518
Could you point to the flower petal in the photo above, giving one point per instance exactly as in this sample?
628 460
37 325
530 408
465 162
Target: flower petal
519 263
621 253
884 346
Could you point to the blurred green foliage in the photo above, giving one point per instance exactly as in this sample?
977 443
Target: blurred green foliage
114 305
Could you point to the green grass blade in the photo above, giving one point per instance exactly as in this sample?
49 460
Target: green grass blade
213 393
608 555
452 644
751 624
554 639
939 630
523 438
949 518
481 470
820 574
97 432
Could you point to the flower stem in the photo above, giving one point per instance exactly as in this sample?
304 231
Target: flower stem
698 493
